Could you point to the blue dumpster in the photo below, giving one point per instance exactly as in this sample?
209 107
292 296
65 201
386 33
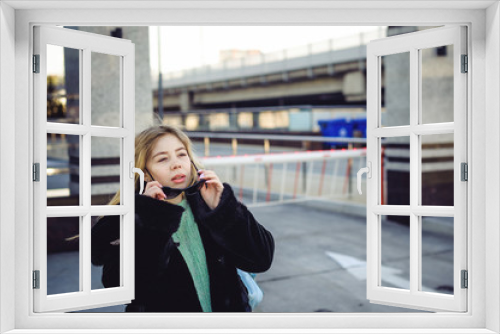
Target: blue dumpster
340 127
359 127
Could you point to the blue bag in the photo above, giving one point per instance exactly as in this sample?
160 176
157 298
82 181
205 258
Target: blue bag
255 294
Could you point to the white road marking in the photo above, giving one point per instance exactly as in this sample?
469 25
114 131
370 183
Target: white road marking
357 268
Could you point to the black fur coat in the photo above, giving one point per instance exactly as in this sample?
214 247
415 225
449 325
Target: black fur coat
232 239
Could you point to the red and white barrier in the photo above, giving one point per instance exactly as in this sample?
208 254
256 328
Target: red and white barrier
246 165
236 160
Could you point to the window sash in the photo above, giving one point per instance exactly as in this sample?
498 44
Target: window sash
413 298
86 43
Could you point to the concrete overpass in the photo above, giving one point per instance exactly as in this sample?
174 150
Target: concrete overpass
320 74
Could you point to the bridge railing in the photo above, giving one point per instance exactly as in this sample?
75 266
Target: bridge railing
282 60
277 178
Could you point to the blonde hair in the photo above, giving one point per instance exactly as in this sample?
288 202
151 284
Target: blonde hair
144 143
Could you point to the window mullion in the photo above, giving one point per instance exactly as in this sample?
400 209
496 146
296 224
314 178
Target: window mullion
85 198
373 183
82 271
85 252
396 210
434 129
79 130
414 171
393 131
85 158
85 175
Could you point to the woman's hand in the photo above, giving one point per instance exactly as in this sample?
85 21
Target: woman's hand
154 190
212 192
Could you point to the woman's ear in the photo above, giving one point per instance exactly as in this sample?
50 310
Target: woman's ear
147 175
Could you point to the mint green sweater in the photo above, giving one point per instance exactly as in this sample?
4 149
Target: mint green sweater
191 248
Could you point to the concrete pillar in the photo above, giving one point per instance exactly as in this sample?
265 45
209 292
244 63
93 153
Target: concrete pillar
233 119
105 106
185 104
437 105
256 123
185 101
354 86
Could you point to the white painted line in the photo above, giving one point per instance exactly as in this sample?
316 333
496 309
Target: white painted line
357 268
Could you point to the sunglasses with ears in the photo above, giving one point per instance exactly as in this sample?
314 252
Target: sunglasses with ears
174 192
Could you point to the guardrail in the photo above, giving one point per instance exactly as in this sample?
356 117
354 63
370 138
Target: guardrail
297 169
267 179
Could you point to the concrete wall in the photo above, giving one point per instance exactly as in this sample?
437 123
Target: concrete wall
106 106
108 76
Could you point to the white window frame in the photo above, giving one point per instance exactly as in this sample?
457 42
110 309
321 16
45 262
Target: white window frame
124 51
483 212
412 44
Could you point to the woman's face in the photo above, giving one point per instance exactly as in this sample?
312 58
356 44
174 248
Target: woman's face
169 162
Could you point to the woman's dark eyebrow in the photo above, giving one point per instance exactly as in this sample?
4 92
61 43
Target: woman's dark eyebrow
164 152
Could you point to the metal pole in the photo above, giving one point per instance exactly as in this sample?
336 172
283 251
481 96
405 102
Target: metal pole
334 178
255 183
349 167
160 88
283 180
234 144
207 146
267 146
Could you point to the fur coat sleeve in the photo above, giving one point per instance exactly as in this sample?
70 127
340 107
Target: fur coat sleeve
234 228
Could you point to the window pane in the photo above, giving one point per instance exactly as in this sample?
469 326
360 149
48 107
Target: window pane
437 170
106 90
245 120
63 84
63 169
395 171
106 253
192 122
395 257
395 94
437 84
219 121
63 255
105 169
437 254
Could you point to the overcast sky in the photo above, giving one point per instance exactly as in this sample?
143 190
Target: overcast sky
185 47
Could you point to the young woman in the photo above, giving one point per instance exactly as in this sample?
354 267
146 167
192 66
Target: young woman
191 234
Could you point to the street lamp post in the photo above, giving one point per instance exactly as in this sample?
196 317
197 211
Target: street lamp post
160 83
